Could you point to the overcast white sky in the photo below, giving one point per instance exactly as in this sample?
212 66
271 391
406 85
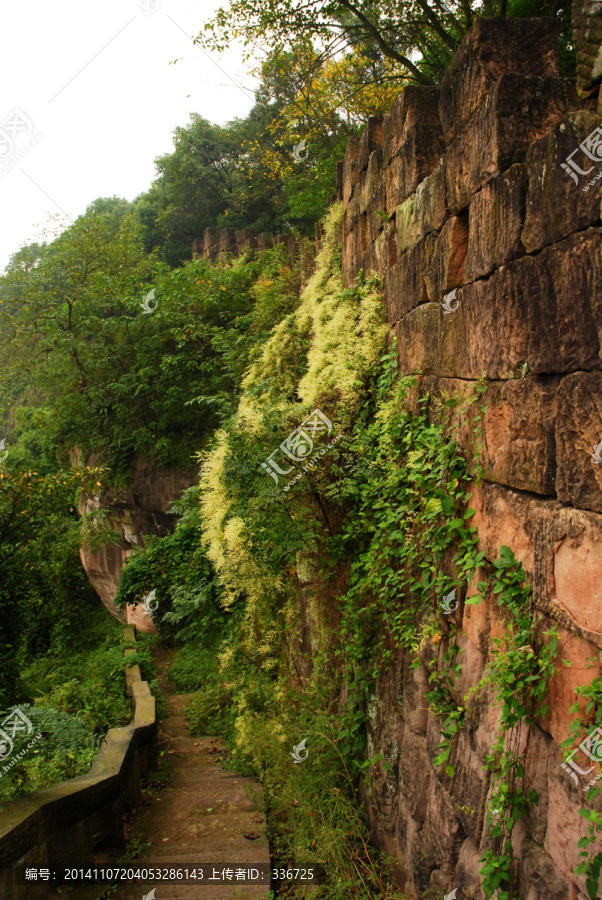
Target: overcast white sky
99 102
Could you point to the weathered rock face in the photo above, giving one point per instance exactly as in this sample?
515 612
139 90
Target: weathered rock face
134 513
478 203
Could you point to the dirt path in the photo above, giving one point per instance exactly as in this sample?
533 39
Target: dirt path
205 815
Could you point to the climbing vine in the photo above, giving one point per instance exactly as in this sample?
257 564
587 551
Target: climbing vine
518 673
591 864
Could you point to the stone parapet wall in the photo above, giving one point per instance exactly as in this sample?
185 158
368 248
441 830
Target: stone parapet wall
491 259
62 825
228 243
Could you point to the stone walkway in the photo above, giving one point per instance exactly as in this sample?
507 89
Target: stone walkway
202 817
206 815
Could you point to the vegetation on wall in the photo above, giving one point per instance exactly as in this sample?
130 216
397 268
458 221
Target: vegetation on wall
382 523
290 604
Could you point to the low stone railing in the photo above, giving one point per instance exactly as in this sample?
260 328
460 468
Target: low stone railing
60 826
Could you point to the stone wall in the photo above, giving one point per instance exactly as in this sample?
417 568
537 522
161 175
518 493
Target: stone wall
228 242
491 259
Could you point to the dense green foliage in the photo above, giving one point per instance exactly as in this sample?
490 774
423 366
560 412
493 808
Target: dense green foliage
43 589
72 694
108 378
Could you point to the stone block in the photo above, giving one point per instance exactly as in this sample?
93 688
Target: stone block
405 287
540 871
415 774
501 518
370 179
491 49
557 546
517 429
416 158
578 432
351 171
416 105
264 241
441 829
516 112
467 874
424 211
370 261
495 223
371 139
227 241
352 213
472 669
417 340
444 257
351 174
375 215
579 654
537 315
291 245
540 747
565 828
468 790
245 238
558 203
210 237
566 580
352 253
518 434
